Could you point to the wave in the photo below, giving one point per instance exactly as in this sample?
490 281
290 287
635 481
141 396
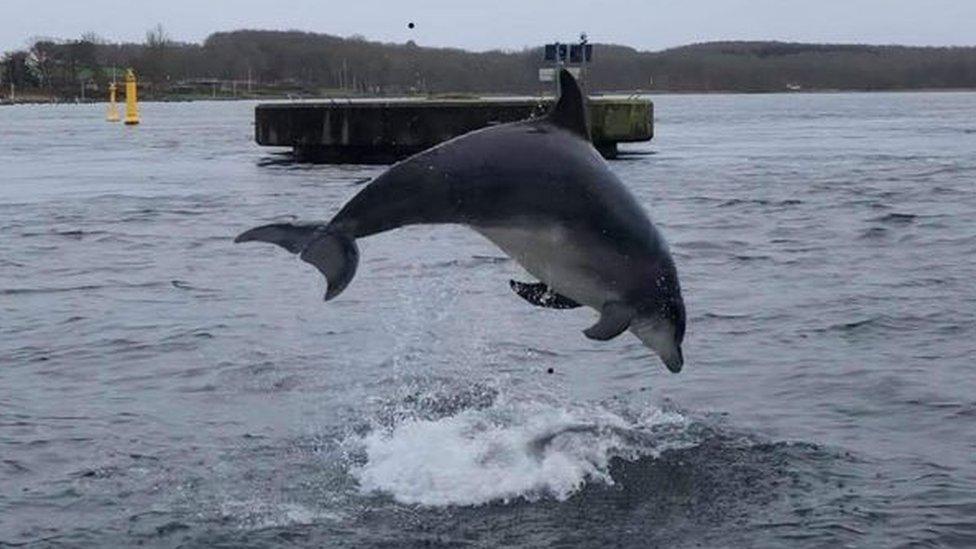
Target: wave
75 234
886 324
473 261
760 202
896 218
80 288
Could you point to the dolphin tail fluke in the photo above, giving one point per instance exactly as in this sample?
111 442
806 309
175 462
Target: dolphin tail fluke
332 252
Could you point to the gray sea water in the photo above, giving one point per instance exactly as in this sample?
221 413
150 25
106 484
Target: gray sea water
162 386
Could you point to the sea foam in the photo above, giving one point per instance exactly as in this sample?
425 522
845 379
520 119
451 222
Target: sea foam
508 451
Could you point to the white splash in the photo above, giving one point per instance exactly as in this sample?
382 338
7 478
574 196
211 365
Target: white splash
528 450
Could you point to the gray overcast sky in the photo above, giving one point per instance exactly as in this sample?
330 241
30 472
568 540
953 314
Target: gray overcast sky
508 24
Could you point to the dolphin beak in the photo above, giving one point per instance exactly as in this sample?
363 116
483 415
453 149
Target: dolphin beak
674 361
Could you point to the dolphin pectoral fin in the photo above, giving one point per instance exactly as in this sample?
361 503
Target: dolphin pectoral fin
541 295
333 253
614 319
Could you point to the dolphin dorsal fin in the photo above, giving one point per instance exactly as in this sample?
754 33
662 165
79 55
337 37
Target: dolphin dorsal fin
570 111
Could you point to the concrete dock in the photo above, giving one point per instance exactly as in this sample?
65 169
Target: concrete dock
381 131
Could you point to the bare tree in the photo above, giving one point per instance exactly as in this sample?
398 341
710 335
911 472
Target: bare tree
154 63
92 37
157 37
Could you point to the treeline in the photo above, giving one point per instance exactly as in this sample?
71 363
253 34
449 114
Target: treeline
252 61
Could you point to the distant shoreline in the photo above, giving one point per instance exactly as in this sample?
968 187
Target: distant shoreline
256 64
56 101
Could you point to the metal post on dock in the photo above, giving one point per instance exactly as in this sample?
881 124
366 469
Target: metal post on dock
557 64
582 74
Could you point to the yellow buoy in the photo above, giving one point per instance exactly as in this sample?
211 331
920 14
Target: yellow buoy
113 109
131 102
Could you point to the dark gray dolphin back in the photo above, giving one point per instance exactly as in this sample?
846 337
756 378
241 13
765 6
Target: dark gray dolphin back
474 176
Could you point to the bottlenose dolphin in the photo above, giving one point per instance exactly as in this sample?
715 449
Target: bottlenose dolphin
541 192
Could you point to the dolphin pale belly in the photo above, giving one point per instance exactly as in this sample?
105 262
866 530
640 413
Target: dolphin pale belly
540 192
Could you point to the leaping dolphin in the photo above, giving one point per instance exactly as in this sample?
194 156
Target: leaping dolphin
541 192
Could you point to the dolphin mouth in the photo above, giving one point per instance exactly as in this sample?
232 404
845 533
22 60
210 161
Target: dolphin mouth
675 361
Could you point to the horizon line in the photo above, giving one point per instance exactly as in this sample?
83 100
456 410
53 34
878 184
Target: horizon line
31 39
